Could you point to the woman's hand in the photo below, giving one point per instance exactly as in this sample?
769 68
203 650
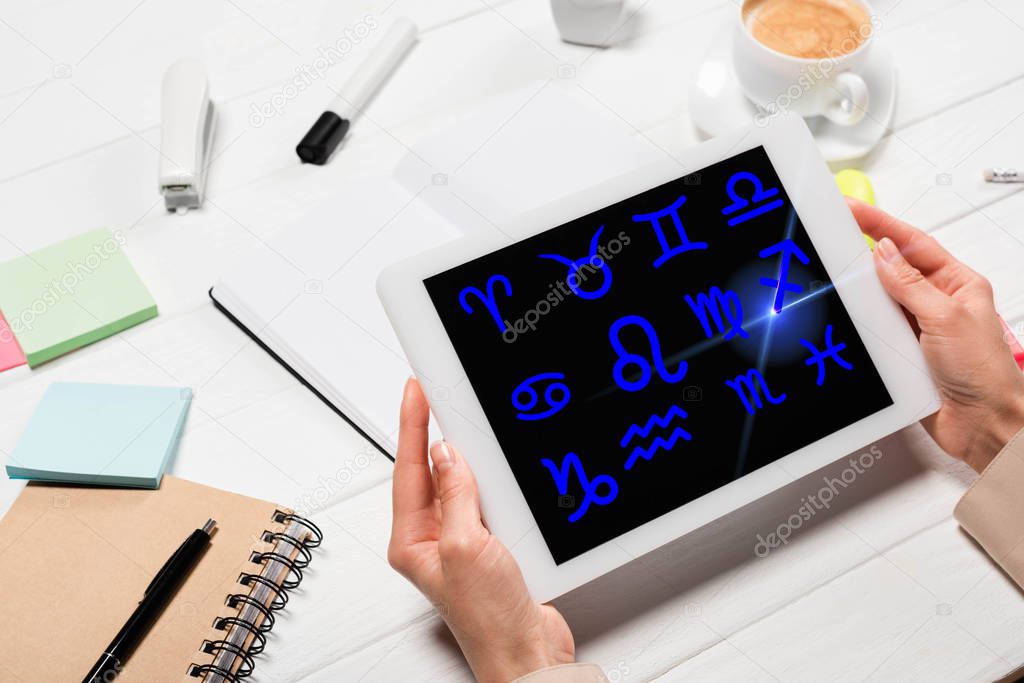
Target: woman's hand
440 544
952 307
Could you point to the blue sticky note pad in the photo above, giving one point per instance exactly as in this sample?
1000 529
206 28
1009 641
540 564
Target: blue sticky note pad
102 434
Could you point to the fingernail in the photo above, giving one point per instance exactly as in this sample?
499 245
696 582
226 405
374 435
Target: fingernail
888 249
407 391
442 454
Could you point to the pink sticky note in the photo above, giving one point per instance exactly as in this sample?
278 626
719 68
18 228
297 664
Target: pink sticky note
10 351
1015 346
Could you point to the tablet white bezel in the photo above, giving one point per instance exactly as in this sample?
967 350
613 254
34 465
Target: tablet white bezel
844 253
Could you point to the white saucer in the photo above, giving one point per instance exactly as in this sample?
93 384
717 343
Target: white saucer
718 105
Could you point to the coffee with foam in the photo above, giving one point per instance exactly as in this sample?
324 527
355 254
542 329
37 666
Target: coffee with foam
810 29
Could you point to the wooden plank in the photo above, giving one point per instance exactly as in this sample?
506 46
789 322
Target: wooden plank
720 663
424 652
896 617
931 173
246 45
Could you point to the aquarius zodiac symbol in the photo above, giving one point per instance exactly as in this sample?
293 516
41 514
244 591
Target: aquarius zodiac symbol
659 442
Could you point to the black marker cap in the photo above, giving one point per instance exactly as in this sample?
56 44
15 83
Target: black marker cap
319 143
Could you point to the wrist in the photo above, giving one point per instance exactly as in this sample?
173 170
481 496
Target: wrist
499 659
1003 425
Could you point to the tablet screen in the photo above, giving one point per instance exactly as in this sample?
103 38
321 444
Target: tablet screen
645 354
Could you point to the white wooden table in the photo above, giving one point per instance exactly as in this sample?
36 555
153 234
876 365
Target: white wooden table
884 586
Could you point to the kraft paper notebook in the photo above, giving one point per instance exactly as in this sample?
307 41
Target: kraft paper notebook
77 560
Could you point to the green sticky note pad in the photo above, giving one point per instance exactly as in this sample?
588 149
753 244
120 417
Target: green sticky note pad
72 294
105 434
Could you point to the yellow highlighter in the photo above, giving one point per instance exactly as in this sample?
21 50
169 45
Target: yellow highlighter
856 184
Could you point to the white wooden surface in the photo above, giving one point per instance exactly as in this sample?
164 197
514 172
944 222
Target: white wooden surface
884 586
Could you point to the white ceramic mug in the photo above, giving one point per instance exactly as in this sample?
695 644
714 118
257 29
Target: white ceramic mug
827 86
588 22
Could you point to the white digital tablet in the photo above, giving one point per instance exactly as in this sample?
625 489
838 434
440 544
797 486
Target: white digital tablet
632 362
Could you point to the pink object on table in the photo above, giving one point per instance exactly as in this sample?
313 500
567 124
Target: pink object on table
10 351
1015 346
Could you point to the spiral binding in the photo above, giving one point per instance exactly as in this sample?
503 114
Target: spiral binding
315 535
294 569
259 640
245 633
280 595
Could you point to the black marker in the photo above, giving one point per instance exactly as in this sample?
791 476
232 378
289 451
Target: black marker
160 591
321 140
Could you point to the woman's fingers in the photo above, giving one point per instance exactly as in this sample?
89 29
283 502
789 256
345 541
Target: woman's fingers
462 530
412 487
907 284
920 249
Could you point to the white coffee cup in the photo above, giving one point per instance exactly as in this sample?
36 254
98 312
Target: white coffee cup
829 86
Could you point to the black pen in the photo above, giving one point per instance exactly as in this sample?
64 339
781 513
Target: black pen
160 591
319 143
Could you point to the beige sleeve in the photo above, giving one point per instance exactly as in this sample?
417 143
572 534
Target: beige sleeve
566 673
992 510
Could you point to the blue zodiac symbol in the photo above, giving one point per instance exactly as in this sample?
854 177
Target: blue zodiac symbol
590 494
831 351
626 359
556 395
759 195
591 262
487 299
787 248
659 443
655 220
720 308
749 387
